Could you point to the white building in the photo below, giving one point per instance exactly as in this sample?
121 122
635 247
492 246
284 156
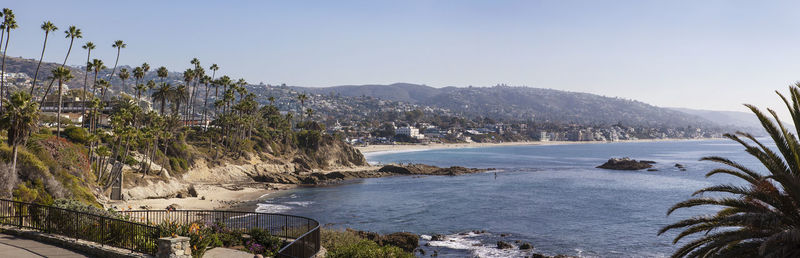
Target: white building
410 131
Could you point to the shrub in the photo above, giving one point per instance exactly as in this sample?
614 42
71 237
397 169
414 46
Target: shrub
366 249
76 134
264 239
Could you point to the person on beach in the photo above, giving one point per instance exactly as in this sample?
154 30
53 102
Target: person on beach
495 175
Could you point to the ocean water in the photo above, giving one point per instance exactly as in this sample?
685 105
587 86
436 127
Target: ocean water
550 196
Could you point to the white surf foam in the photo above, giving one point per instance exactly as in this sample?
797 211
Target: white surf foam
470 243
272 208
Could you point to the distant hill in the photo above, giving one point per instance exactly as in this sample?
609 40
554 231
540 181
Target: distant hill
524 103
735 119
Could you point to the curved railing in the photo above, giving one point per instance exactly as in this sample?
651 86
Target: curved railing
302 231
137 233
80 225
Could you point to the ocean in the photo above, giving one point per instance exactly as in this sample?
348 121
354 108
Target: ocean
551 196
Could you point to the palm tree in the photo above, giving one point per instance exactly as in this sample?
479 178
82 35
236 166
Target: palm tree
179 95
162 73
98 66
213 68
760 218
9 23
123 75
19 118
162 94
89 46
72 33
63 75
188 77
119 45
139 89
47 27
271 100
151 85
302 97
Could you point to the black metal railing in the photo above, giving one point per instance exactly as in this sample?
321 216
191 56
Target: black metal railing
80 225
303 232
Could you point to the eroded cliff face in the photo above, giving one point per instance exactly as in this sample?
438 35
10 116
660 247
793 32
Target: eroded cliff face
291 168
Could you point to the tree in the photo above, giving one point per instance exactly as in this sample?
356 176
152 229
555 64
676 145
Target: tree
19 118
9 23
72 33
98 66
162 73
89 46
119 45
47 27
302 97
63 75
124 75
162 94
213 68
760 218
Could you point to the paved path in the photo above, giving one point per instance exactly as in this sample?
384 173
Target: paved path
12 246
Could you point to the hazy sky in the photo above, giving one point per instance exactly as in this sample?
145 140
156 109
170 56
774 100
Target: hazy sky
698 54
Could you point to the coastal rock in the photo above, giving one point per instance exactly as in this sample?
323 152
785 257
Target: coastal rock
625 164
404 240
421 169
652 169
438 237
504 245
526 246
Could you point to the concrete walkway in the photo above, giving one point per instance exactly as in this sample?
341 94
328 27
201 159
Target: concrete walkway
12 246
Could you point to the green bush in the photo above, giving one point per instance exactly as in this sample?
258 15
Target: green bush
76 134
367 249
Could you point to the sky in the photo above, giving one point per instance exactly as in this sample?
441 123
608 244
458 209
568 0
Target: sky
696 54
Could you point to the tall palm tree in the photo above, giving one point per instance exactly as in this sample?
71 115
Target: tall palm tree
89 46
760 218
188 77
63 75
302 97
213 68
124 75
119 45
271 100
72 33
19 118
179 95
47 27
151 85
9 23
98 66
162 94
205 81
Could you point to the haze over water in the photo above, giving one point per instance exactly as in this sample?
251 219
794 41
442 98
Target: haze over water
550 196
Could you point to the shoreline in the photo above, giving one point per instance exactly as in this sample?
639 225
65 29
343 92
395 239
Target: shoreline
244 196
209 197
380 149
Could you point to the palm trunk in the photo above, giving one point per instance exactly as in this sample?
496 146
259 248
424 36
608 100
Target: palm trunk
115 66
36 74
14 159
3 90
54 79
205 107
85 84
58 118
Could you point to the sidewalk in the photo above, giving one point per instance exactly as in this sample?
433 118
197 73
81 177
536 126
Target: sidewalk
12 246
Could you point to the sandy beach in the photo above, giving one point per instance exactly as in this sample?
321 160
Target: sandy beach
209 197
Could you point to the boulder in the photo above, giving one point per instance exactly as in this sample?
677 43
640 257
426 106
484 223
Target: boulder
504 245
526 246
406 241
438 237
625 164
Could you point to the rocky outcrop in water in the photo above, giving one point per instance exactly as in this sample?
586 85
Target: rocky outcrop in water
406 241
421 169
626 164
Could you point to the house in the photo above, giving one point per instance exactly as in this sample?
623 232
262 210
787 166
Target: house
410 131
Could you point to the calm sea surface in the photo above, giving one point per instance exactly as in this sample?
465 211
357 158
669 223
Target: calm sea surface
550 196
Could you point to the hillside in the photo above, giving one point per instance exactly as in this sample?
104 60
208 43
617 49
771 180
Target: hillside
525 103
736 119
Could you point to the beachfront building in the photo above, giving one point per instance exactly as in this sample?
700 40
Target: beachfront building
411 131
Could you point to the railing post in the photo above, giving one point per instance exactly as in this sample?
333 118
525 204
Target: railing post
19 212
